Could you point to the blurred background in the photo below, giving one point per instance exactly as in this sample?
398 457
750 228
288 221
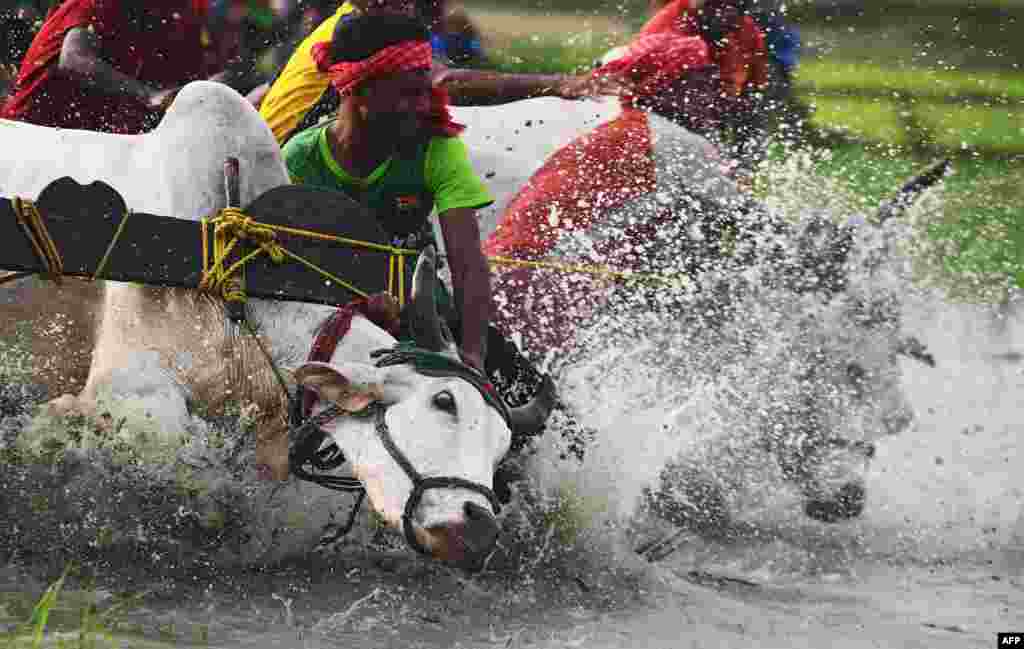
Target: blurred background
928 74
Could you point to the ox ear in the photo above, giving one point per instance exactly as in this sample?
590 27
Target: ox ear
352 386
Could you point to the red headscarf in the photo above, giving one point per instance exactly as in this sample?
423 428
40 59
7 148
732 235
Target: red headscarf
407 56
742 60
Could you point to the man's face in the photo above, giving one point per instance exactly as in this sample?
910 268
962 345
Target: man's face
397 104
719 18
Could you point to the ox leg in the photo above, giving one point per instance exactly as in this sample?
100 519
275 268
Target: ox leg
132 377
272 449
688 499
829 474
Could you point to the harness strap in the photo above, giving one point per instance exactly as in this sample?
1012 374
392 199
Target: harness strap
305 447
421 484
307 440
440 365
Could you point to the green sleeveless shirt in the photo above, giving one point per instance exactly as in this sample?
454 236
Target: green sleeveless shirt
403 190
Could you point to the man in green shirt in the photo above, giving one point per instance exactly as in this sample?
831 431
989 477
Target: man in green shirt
395 149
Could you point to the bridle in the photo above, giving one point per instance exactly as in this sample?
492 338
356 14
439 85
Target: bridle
307 439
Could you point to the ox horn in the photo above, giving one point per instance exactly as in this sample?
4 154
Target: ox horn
429 330
911 190
529 418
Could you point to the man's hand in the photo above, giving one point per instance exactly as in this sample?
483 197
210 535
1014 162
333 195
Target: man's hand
587 86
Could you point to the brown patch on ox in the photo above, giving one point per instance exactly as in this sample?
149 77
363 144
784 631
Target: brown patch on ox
55 325
232 371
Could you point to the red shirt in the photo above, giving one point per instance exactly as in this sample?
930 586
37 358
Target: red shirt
167 50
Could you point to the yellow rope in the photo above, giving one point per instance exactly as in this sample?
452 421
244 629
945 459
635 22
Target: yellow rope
110 247
232 225
31 222
599 271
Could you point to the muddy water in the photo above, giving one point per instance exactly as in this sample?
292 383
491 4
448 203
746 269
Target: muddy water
937 560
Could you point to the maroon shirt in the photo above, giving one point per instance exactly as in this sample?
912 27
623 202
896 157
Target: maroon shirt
166 50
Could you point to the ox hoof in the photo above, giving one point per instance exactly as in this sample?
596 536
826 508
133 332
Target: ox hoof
688 500
846 503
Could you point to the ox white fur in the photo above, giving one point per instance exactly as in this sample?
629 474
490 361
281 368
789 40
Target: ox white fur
176 170
508 143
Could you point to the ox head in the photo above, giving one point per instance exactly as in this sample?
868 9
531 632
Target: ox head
441 422
846 388
822 342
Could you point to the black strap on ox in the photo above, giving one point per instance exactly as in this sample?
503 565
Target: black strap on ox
307 445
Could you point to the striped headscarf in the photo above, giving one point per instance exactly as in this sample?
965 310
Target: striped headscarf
407 56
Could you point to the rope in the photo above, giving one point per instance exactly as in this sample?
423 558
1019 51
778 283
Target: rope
32 224
110 247
232 225
598 271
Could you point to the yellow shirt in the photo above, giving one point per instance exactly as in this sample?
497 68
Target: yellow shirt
300 85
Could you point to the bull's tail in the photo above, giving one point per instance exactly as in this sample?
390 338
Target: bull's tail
911 190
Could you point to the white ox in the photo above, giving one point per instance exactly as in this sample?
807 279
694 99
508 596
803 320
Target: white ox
158 353
821 388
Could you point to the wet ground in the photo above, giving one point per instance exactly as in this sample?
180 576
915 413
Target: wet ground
936 561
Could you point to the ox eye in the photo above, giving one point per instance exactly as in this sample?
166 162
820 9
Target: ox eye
445 400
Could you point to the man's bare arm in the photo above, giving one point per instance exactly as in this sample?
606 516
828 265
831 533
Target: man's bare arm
471 279
80 60
484 88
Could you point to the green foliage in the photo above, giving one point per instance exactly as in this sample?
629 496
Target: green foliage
973 244
828 74
552 54
869 119
94 628
16 363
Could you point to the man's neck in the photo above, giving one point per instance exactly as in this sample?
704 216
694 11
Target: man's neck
358 150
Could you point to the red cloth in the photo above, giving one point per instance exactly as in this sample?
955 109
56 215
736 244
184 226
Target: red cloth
408 56
742 62
166 57
581 182
656 61
597 172
378 309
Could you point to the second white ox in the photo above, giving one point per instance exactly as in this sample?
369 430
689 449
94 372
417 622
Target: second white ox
160 353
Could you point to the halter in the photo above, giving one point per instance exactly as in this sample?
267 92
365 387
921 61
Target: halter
308 438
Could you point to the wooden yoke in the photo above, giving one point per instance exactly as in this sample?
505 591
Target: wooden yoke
98 237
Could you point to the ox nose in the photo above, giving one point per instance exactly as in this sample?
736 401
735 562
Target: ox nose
468 541
481 528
